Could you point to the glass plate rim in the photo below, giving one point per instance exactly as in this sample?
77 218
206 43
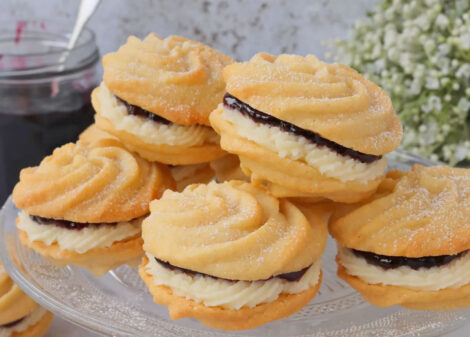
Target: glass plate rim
96 325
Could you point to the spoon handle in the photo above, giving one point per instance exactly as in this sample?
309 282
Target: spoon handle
86 10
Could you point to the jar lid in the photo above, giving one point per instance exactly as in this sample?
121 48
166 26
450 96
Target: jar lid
35 49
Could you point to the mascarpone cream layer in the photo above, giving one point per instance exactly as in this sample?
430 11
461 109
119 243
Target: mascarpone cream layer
294 147
452 275
148 130
81 240
229 294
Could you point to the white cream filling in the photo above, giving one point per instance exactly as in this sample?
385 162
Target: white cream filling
148 130
33 318
452 275
294 147
79 241
232 295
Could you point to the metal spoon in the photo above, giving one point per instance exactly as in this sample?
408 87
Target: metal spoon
86 10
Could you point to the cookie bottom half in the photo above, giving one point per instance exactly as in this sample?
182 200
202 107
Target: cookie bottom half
289 178
385 295
97 260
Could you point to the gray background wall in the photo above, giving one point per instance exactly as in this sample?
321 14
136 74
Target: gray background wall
239 28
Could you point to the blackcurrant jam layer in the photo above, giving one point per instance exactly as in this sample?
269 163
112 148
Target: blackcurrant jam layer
138 111
263 118
12 324
69 224
291 277
415 263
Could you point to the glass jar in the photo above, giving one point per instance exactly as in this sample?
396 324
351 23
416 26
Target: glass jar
45 102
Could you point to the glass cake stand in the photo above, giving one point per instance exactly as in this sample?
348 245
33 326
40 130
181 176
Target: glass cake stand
119 304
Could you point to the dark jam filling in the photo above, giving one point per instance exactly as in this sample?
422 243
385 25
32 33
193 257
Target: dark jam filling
261 117
293 276
69 224
138 111
392 262
12 324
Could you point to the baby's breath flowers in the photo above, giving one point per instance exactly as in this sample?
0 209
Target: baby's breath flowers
419 52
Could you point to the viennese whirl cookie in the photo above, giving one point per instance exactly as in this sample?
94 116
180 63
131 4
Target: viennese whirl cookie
304 128
409 244
230 255
156 96
84 204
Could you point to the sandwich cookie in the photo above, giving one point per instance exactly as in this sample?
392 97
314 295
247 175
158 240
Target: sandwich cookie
84 204
157 95
409 244
307 129
230 255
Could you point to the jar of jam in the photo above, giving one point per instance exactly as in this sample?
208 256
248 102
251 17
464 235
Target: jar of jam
45 102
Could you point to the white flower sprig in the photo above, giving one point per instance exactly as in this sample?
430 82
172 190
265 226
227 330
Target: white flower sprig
419 52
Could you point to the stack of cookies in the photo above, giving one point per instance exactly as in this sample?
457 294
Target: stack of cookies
279 135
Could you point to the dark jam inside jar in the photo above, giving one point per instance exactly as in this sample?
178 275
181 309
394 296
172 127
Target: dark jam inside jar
25 139
44 104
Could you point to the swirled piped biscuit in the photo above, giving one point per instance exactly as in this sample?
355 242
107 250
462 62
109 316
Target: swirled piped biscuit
409 244
157 95
230 255
183 175
84 204
304 128
20 316
175 78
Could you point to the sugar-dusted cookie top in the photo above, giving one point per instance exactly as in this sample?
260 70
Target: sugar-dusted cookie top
96 182
423 212
176 78
332 100
232 230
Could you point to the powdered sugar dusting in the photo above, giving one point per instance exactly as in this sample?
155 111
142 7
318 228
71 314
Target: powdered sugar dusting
330 99
427 214
220 229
